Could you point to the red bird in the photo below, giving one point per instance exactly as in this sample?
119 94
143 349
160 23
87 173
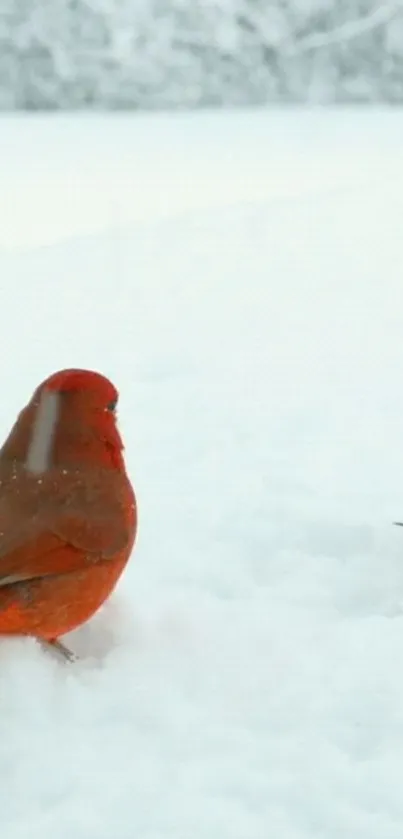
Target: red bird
68 515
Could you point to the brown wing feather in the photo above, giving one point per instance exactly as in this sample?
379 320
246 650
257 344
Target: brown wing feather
60 537
43 556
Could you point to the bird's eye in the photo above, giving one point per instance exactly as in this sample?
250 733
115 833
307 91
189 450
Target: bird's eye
112 405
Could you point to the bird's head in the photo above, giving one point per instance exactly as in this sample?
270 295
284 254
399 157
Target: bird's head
70 420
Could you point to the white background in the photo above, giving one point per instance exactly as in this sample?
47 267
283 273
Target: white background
240 278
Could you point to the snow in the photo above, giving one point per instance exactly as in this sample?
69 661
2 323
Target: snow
173 54
239 276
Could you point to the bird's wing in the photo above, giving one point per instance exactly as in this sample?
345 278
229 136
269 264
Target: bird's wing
101 535
61 541
42 555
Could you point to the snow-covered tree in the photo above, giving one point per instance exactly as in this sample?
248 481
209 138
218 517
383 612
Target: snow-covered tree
187 53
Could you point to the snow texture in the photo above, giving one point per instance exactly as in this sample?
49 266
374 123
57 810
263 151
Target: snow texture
240 278
125 54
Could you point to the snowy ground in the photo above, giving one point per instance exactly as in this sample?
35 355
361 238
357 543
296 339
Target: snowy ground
240 277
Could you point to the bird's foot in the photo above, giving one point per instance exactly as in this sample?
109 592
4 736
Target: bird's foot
61 649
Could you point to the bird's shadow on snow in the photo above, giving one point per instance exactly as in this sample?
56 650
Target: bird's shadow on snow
103 635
